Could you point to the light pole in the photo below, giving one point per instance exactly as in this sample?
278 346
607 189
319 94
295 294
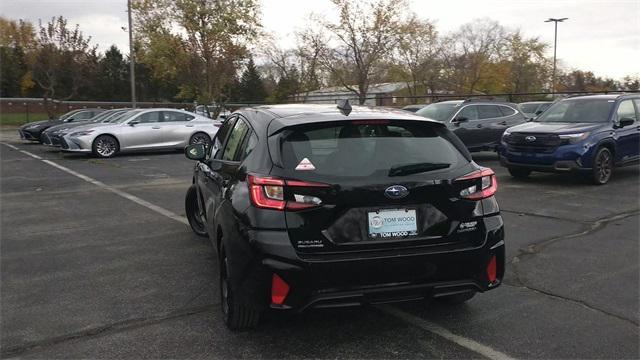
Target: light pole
555 47
132 63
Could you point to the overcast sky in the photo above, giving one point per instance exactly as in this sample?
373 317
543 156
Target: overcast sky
600 36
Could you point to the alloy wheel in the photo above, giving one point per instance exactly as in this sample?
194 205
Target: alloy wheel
199 139
604 166
106 146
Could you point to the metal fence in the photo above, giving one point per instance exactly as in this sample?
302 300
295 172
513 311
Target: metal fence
34 108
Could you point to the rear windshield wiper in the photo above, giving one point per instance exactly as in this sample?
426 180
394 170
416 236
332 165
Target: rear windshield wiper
417 168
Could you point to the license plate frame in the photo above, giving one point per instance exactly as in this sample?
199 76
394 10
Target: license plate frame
392 223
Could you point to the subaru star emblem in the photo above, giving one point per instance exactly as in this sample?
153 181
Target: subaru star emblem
530 138
396 192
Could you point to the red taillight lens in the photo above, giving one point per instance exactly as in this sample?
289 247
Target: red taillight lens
268 193
483 184
279 290
491 270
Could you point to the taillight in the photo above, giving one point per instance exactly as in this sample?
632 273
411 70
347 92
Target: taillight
268 193
483 184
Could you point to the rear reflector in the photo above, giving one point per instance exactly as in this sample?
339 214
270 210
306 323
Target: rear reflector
491 270
279 290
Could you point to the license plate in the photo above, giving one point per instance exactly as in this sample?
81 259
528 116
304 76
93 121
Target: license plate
392 223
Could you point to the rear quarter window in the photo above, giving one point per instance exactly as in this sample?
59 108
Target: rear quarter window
355 150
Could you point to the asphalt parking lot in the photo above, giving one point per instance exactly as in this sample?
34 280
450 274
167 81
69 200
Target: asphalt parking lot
97 262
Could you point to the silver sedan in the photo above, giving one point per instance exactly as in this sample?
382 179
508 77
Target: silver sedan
141 129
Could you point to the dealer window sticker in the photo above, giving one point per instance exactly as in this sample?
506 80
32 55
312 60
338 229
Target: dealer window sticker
305 165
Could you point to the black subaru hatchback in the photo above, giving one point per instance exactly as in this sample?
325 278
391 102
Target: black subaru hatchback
314 206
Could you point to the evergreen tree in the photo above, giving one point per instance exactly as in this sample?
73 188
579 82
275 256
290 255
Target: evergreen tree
251 84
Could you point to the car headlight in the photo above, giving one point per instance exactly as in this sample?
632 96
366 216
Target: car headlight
506 134
81 133
574 138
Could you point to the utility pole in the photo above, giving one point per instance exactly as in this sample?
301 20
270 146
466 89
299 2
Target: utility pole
555 47
132 61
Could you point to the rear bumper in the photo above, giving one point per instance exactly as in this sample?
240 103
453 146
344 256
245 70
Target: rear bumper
390 276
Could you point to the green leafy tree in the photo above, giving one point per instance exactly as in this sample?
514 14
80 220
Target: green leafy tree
199 45
17 39
64 63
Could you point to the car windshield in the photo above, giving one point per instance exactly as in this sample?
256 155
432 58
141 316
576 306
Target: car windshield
578 111
126 116
67 115
441 112
359 150
101 116
529 108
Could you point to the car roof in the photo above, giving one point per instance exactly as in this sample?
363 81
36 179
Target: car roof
601 96
298 114
535 102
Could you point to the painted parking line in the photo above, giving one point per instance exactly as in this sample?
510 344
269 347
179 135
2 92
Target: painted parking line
126 195
436 329
411 319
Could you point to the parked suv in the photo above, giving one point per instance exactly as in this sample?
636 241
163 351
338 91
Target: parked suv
590 134
311 206
478 123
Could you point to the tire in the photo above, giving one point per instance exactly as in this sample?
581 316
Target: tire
602 166
519 173
236 314
192 209
200 138
105 146
456 299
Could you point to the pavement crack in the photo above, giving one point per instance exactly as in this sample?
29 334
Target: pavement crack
103 330
575 301
540 215
590 228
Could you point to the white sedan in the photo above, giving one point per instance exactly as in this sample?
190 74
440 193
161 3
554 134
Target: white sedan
142 129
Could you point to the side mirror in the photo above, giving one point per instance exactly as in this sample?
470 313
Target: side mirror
626 122
460 119
539 112
134 122
195 152
68 120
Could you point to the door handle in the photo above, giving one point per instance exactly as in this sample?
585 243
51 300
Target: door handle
479 126
503 123
155 127
189 125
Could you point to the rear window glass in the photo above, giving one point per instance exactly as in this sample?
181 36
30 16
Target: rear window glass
354 150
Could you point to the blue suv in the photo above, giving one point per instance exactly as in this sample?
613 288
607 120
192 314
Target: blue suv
589 134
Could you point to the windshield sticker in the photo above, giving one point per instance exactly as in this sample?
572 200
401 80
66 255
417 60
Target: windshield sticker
305 164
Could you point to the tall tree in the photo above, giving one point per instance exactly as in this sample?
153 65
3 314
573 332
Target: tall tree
470 51
251 87
200 44
366 33
64 61
113 72
17 40
418 57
